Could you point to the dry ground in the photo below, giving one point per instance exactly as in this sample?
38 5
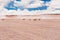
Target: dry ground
16 29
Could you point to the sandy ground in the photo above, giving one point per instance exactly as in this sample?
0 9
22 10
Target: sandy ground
16 29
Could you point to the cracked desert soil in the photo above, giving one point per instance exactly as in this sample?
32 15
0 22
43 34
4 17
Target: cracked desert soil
16 29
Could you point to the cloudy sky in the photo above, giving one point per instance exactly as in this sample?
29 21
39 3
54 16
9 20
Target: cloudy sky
30 4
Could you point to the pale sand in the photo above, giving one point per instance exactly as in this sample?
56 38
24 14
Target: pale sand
16 29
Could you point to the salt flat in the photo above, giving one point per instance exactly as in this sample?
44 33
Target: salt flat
16 29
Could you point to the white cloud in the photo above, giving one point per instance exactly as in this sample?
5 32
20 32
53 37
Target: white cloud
54 4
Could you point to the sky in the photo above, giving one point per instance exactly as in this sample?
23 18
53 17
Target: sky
30 6
27 4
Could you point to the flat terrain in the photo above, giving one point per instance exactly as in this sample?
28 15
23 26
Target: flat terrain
16 29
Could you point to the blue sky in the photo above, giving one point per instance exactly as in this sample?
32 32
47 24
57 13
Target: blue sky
10 5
